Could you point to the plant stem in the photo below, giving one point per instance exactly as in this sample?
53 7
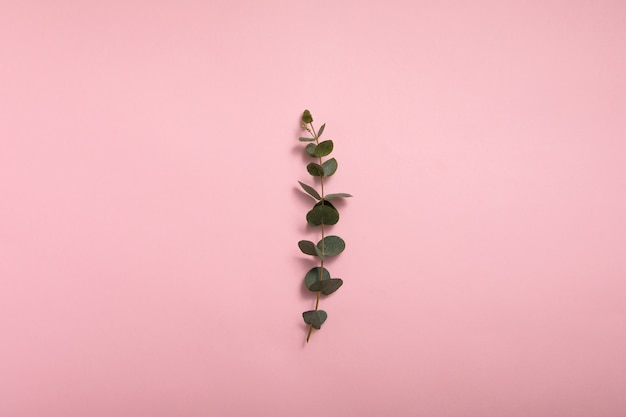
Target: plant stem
317 300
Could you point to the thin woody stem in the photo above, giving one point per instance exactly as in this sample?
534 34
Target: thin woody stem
317 300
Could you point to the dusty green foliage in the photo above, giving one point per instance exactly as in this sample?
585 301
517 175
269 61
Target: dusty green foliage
323 212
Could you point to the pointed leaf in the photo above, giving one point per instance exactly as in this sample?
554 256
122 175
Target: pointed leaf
322 214
330 167
337 195
313 276
306 117
310 190
308 247
310 149
324 148
319 132
333 245
301 139
315 169
315 318
328 286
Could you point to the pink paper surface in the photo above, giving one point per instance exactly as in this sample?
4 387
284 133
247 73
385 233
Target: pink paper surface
150 209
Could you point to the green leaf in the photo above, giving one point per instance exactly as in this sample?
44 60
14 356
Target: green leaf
325 203
319 253
313 276
315 169
306 117
324 148
324 213
315 318
329 167
310 149
306 139
328 286
337 195
333 245
310 190
319 132
307 247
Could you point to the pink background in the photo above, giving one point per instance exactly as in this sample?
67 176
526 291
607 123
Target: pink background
149 208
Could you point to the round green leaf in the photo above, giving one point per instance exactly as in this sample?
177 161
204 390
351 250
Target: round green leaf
327 287
315 169
315 318
322 214
324 148
333 245
329 167
306 117
310 149
313 276
307 247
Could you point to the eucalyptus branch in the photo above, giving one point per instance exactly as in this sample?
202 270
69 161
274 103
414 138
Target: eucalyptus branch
323 213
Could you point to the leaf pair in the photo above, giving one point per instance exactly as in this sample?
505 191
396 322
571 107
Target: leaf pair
315 318
318 151
327 169
328 246
313 193
318 279
322 213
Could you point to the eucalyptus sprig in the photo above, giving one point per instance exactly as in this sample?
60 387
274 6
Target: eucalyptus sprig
323 213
